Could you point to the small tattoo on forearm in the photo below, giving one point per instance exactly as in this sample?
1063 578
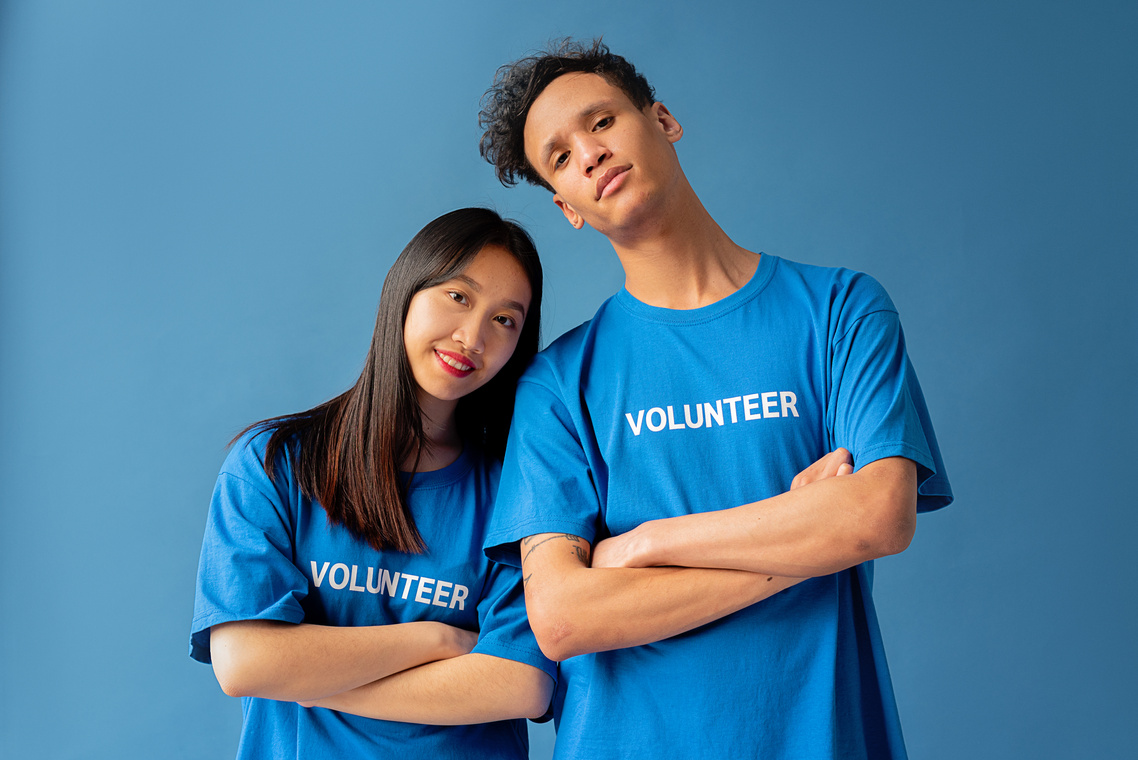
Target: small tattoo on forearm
525 580
582 554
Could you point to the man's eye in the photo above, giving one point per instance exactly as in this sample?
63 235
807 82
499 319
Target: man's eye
561 159
602 123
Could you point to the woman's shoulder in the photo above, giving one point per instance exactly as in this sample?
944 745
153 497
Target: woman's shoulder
247 457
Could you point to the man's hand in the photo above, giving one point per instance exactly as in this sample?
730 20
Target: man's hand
837 462
630 549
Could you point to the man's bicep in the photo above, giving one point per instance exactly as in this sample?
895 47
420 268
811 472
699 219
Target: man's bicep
553 569
552 555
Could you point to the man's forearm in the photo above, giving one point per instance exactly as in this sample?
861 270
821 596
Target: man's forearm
575 609
284 661
473 688
818 529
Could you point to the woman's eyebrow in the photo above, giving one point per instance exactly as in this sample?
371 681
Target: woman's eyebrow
473 284
515 305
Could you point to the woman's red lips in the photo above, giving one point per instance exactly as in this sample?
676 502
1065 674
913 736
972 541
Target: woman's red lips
454 364
608 177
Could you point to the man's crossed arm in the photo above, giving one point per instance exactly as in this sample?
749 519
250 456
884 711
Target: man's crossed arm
669 576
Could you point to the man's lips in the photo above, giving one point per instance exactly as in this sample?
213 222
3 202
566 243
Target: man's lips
455 364
609 176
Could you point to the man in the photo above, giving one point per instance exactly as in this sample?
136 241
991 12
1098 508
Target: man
701 604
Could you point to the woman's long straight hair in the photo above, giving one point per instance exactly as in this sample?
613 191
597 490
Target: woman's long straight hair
349 450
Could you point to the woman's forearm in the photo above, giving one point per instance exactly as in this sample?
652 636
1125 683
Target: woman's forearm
474 688
291 662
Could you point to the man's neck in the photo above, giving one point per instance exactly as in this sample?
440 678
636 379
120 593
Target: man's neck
682 259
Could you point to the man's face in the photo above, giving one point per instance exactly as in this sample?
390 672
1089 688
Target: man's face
609 162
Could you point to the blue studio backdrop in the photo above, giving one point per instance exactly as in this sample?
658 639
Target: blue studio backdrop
199 201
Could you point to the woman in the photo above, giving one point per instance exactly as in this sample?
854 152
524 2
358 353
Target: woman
342 564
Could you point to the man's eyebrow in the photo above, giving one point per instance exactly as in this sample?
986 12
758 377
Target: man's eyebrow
584 113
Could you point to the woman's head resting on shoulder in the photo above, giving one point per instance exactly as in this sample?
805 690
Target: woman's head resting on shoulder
459 320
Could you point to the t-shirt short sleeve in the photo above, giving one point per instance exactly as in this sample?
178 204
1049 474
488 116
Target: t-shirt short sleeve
246 570
504 629
547 485
876 406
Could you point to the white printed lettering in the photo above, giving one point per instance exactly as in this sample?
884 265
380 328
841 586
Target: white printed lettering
431 591
370 588
750 407
789 401
442 591
318 575
388 583
732 401
408 577
698 417
635 425
424 588
755 406
355 586
343 579
717 414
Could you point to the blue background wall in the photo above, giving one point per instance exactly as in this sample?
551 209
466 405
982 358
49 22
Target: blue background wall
198 203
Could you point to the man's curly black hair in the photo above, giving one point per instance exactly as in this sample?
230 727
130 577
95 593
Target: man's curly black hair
517 85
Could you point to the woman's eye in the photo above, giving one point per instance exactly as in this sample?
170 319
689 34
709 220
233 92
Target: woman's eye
456 296
504 320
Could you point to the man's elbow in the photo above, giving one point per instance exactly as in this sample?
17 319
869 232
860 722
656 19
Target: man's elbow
896 537
889 508
891 525
554 627
556 638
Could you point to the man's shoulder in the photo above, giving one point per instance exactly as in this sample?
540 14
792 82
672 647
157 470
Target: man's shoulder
835 298
571 350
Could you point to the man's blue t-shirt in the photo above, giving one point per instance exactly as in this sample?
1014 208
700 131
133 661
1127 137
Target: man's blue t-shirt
270 553
644 413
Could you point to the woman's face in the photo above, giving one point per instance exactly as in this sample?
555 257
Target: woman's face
460 333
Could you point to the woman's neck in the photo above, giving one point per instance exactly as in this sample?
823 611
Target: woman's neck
441 444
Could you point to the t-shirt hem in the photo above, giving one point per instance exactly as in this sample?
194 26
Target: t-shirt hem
933 491
199 633
500 545
525 655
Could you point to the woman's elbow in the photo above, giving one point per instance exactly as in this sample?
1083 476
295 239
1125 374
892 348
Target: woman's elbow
232 680
232 666
536 695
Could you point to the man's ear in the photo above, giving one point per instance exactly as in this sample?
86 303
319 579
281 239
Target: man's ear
573 217
668 124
